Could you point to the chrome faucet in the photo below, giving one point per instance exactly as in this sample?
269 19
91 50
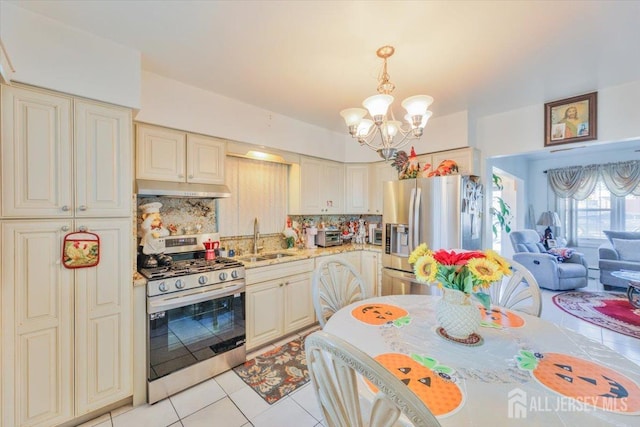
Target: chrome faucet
256 235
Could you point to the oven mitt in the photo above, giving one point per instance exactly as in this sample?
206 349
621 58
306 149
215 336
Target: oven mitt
81 249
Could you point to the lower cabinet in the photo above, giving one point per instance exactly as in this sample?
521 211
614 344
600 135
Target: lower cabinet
370 271
66 334
279 301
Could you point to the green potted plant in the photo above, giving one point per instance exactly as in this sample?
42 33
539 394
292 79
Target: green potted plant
500 211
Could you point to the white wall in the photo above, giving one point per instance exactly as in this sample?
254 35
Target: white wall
49 54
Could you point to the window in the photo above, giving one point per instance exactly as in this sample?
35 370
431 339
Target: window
600 211
258 190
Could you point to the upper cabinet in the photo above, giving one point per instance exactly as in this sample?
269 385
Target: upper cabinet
379 173
64 156
316 187
357 188
467 159
170 155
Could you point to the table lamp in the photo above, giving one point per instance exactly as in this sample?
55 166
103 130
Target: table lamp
550 219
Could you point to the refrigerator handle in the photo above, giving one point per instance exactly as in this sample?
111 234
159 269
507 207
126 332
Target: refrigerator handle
411 224
416 219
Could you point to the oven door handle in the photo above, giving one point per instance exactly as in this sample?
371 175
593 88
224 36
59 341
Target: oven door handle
170 302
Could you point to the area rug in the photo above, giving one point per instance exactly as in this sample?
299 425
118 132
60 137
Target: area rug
608 310
277 372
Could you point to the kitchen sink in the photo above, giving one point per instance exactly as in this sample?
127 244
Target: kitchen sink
275 256
252 258
265 257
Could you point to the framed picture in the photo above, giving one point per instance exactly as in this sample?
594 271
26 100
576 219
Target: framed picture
571 120
552 243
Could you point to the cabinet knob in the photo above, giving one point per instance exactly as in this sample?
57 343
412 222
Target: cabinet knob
82 228
82 207
281 285
190 176
286 283
65 228
65 208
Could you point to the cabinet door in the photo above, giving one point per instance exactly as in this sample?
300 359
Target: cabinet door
103 319
357 189
36 154
160 154
37 324
205 160
370 266
312 199
332 181
464 157
103 160
298 304
265 312
382 172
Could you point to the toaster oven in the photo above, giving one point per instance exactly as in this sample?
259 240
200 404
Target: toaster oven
326 238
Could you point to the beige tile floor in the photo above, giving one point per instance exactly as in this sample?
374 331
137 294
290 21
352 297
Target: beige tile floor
226 401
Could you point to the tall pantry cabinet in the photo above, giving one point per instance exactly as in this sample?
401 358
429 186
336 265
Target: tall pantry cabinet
65 347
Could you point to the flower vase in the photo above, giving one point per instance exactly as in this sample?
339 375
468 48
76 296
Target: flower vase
457 315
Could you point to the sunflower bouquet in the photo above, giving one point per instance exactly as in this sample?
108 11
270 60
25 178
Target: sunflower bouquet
470 272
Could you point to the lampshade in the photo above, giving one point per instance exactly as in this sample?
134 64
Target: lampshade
549 218
378 104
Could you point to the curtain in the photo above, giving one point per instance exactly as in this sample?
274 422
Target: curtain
578 182
258 190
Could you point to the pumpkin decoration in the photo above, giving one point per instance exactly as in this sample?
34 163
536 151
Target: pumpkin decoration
434 387
583 380
378 314
498 317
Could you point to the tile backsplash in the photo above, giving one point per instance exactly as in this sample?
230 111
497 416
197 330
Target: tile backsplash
201 214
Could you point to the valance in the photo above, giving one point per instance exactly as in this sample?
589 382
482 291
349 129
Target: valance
578 182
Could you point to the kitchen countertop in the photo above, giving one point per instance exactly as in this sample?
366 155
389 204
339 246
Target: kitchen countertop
295 255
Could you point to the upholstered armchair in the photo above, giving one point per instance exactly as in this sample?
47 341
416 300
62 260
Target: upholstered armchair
571 273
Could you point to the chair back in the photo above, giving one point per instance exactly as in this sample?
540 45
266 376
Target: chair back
336 369
519 291
336 284
526 241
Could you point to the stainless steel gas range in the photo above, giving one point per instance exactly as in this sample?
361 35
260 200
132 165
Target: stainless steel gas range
195 317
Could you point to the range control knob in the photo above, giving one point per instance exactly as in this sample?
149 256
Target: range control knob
179 284
163 287
223 276
234 274
203 280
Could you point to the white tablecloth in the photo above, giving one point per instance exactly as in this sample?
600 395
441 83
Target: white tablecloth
495 390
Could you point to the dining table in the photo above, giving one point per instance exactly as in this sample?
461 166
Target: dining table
520 369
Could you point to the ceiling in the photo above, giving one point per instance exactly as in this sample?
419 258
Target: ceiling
310 59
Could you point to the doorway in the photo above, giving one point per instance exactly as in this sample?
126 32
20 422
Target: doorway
504 209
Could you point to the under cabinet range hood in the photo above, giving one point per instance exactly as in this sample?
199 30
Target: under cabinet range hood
145 187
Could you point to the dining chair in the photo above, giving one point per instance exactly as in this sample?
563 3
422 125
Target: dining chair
336 283
519 291
334 369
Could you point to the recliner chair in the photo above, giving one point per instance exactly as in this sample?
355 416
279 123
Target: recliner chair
550 273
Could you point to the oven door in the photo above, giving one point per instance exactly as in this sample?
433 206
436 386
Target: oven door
185 328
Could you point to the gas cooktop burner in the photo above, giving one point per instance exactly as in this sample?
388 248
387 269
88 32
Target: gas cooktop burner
191 266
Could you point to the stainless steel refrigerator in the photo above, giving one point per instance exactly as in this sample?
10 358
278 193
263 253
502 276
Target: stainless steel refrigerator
444 212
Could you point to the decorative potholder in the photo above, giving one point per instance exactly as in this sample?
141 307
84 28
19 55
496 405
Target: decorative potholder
81 249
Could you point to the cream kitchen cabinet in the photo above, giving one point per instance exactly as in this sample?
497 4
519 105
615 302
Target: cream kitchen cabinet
380 173
468 160
164 154
279 301
63 156
370 271
66 334
357 189
316 187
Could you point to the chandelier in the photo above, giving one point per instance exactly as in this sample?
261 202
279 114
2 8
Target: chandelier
393 134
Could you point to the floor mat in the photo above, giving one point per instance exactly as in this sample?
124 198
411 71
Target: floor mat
277 372
605 309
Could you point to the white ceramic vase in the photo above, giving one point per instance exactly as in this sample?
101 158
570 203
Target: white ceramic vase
456 314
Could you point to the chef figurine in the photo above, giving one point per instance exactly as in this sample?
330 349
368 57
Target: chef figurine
153 233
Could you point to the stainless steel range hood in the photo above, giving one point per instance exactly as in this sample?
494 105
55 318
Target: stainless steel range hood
181 189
